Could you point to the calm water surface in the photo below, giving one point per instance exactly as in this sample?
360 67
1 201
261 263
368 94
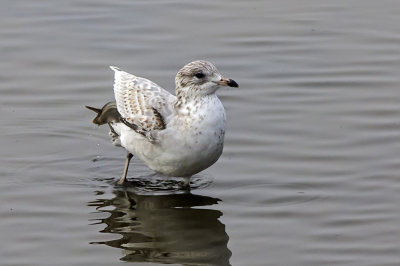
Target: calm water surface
310 173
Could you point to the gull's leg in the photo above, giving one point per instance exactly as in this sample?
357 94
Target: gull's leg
128 159
186 183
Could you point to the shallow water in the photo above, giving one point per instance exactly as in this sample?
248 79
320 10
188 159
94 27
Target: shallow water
310 169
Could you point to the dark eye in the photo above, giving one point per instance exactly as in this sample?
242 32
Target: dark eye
199 75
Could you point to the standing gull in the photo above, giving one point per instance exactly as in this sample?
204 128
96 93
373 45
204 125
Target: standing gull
176 136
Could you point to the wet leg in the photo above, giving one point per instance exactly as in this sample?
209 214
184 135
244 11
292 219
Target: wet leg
186 183
128 159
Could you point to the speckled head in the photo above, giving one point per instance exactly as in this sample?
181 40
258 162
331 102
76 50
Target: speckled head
200 78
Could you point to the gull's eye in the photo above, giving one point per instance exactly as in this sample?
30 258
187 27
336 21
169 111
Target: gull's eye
200 75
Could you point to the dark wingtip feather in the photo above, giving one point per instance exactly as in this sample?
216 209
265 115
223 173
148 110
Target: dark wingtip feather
107 114
96 110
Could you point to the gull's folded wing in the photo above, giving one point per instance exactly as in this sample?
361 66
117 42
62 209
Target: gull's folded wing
141 102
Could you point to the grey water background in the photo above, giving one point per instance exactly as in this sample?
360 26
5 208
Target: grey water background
310 173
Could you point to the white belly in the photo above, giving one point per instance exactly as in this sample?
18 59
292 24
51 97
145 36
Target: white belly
187 146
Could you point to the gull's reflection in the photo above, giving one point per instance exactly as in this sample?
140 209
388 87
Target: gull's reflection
165 228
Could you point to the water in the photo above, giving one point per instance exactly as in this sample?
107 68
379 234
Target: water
310 169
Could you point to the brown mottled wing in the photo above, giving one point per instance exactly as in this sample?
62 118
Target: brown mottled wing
141 102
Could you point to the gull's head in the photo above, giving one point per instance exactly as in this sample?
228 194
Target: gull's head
201 78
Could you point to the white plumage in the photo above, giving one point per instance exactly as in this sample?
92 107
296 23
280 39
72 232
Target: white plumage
174 135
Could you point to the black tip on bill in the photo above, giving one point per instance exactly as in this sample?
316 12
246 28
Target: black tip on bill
232 83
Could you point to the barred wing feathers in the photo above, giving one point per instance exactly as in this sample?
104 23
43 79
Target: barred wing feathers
141 102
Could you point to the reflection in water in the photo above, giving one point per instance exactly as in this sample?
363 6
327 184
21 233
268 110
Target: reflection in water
165 228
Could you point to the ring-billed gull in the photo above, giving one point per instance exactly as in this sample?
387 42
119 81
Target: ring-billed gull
176 136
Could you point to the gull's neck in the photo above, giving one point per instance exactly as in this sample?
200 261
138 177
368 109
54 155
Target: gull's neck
190 96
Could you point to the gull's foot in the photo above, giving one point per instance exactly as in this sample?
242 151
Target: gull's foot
186 184
122 181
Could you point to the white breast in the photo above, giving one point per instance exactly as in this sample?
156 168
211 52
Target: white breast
192 142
